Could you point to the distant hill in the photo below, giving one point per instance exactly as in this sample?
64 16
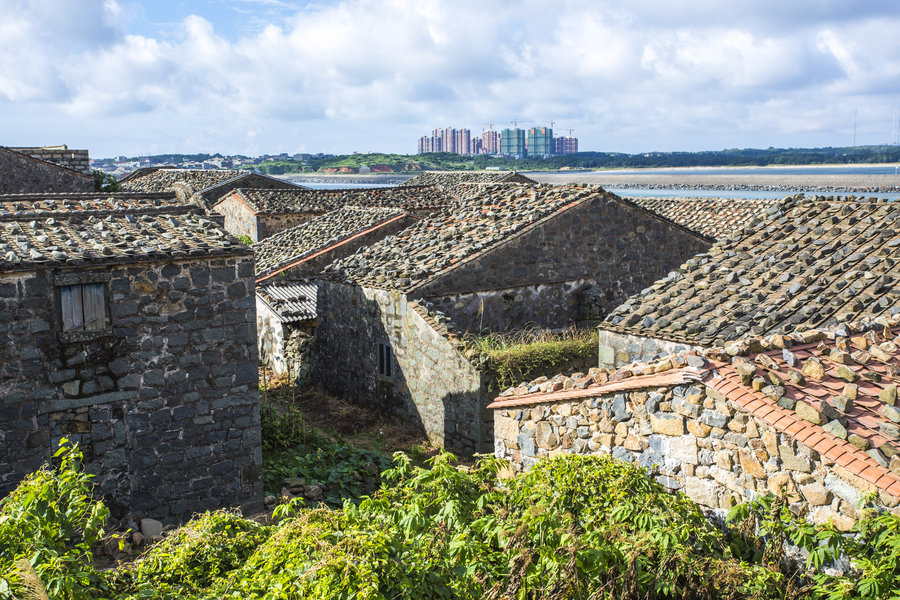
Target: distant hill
396 163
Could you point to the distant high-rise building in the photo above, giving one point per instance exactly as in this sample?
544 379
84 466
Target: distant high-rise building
490 142
477 146
566 145
540 142
512 142
462 139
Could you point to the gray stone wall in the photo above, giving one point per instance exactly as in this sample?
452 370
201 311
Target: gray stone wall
76 160
164 401
240 220
284 347
618 349
19 174
432 383
549 306
269 224
700 443
610 243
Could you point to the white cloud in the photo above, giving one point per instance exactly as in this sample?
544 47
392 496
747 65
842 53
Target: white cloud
347 75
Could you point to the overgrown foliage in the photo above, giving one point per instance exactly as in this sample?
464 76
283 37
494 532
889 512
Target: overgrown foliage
290 449
52 522
509 359
572 527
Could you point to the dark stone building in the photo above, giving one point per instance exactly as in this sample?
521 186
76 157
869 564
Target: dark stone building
511 257
131 331
22 173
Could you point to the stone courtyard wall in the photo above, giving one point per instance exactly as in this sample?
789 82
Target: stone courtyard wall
432 384
700 443
164 402
19 174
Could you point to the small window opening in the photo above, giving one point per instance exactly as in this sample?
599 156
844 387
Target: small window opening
384 360
83 307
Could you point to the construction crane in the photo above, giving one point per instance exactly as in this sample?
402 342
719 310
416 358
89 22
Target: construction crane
515 123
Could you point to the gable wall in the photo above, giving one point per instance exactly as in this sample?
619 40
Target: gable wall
21 175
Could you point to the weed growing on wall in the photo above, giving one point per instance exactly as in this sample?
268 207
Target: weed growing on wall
509 359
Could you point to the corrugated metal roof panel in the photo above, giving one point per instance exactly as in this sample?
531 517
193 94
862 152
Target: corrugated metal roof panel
292 302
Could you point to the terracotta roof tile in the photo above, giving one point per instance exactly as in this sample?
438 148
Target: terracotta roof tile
303 200
717 218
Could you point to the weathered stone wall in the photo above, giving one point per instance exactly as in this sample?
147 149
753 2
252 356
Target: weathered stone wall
606 242
433 384
269 225
19 174
702 444
76 160
283 347
619 349
240 220
550 306
164 401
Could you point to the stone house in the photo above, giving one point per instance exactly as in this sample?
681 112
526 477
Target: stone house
258 213
36 170
811 415
287 264
806 263
128 327
199 186
512 257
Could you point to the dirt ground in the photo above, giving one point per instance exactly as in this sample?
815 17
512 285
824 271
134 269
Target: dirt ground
363 427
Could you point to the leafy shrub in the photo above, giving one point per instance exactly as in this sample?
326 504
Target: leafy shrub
193 557
52 521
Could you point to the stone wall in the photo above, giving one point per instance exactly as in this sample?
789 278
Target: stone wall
283 347
20 174
701 444
549 306
432 384
607 242
164 401
210 196
76 160
619 349
240 220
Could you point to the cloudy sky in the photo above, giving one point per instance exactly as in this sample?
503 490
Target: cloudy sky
265 76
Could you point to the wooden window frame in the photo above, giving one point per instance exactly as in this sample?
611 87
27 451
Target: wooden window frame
384 360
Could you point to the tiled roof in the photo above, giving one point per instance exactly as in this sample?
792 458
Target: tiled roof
834 391
718 218
838 396
320 201
454 178
445 241
124 236
292 302
300 243
163 180
807 263
26 206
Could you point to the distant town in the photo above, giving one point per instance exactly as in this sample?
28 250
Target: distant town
512 143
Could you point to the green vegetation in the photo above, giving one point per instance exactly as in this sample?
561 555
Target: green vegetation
594 160
105 182
572 527
510 359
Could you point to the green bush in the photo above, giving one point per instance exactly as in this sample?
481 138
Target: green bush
193 557
52 521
